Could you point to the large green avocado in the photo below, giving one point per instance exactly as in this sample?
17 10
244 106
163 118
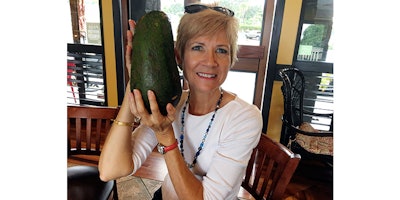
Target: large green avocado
153 65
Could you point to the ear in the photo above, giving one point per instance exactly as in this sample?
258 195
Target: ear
178 59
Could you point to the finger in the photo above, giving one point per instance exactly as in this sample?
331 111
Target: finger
130 32
132 104
153 102
132 25
140 107
128 57
129 38
128 52
171 112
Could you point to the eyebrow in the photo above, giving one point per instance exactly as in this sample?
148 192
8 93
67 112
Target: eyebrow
202 43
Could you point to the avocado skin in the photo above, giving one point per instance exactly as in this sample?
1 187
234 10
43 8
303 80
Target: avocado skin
153 65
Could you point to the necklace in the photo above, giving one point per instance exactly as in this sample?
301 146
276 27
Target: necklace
205 134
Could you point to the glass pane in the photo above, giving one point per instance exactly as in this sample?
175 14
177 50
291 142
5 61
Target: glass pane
243 88
316 43
317 32
250 15
174 10
85 22
93 28
85 80
248 12
318 98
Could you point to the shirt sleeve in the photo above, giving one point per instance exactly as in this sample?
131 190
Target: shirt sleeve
143 142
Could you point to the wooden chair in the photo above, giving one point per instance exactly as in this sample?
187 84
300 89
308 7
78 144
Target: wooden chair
269 170
87 130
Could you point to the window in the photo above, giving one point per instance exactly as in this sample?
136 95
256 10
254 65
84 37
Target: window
314 44
250 15
315 58
248 12
85 73
232 84
316 31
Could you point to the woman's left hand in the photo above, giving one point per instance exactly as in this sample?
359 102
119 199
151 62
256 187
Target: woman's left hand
156 121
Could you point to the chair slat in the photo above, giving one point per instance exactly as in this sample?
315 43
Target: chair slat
98 133
88 127
78 134
88 134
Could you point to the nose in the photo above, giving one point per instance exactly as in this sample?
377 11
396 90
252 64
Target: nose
210 59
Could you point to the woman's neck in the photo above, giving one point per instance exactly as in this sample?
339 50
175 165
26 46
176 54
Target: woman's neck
201 104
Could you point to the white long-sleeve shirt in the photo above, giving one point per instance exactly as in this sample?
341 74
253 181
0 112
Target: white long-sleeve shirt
227 149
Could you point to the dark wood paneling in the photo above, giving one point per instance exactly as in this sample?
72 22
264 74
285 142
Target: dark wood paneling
246 65
246 51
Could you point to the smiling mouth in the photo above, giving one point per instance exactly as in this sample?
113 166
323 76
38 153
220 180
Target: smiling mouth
206 75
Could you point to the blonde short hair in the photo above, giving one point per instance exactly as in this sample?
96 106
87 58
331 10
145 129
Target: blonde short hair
207 22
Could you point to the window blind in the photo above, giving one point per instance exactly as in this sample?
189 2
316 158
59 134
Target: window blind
318 98
85 75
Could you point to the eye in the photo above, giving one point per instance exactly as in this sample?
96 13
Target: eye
197 48
222 51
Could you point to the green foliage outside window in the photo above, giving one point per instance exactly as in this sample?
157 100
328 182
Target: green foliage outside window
250 16
314 35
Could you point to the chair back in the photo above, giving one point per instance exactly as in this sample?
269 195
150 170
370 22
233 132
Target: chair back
88 127
297 133
270 169
293 94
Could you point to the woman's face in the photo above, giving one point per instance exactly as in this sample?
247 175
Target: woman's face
206 61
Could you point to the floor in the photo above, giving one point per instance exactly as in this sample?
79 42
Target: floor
141 185
312 181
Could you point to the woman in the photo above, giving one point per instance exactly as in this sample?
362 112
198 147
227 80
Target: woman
208 138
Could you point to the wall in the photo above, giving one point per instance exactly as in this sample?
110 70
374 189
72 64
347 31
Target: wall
109 53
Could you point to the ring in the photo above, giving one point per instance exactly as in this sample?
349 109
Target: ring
137 120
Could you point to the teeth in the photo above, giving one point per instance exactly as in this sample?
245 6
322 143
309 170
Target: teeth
206 75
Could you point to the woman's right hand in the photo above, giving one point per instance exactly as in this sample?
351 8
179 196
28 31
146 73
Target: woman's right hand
125 111
128 50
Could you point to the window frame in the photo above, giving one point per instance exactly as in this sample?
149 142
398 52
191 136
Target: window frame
76 51
318 67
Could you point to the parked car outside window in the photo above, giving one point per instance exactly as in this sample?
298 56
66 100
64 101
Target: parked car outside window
253 34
